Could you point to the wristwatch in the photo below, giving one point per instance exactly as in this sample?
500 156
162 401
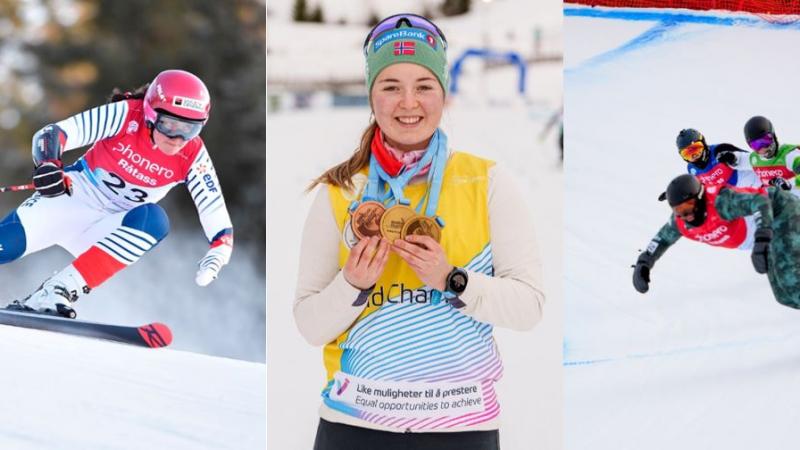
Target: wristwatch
456 281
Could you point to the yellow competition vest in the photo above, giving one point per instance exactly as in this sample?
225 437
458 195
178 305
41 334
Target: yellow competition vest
412 360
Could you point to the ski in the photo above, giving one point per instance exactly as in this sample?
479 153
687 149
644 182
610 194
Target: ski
152 335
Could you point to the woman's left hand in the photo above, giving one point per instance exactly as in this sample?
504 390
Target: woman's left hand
426 258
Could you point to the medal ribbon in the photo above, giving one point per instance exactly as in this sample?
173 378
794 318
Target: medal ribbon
436 153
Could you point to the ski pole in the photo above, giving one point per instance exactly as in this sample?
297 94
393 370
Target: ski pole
19 187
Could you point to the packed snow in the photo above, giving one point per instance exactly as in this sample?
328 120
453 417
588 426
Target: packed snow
70 392
707 358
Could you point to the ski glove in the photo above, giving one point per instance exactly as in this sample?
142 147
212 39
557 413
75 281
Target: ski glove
760 255
208 268
50 181
641 272
781 183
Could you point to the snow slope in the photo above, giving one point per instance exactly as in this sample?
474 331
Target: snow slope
69 392
707 359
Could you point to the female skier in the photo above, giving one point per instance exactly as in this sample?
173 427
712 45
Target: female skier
411 253
765 221
103 209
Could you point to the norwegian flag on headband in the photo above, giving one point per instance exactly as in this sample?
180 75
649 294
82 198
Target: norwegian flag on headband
404 48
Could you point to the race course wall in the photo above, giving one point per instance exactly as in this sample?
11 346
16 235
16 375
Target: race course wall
773 7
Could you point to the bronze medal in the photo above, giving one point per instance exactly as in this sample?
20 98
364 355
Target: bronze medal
393 221
422 226
366 219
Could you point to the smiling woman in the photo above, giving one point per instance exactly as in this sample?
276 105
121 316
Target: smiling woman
411 254
407 101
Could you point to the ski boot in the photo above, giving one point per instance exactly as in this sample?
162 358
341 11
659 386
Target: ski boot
55 296
61 310
50 299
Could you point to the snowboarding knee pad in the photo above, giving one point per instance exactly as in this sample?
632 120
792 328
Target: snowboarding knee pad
12 238
149 218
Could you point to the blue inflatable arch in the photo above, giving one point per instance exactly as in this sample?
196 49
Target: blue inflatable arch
511 57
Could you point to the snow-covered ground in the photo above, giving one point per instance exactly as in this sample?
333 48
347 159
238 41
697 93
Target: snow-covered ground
66 392
708 358
487 119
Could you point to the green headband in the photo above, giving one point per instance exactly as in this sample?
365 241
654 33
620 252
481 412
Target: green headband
406 44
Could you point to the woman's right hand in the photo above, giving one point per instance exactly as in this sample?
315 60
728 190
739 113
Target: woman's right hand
366 262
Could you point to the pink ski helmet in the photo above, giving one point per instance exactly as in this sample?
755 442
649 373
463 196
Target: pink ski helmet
177 93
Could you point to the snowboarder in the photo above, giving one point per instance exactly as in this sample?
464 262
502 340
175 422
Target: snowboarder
102 208
765 221
775 164
715 164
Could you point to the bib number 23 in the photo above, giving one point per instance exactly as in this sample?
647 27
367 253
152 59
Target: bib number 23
118 186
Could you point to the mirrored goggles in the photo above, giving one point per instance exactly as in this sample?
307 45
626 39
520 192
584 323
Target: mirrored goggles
173 127
762 143
693 151
397 20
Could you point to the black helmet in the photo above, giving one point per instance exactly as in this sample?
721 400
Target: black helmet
757 127
685 139
682 188
687 136
760 136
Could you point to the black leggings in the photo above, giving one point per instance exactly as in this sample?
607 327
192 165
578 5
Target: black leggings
337 436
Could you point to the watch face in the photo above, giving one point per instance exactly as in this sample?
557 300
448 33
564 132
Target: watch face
458 282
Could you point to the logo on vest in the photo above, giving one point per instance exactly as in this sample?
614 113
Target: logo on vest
379 297
714 235
140 167
714 176
341 386
771 173
133 127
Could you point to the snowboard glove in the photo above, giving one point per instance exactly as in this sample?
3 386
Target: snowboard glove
50 181
727 158
781 183
641 272
760 255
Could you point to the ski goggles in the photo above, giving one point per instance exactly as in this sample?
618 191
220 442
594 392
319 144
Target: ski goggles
693 151
396 21
762 143
174 127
